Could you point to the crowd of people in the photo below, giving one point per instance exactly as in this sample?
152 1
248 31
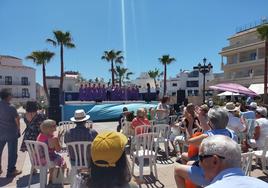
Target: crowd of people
212 134
88 92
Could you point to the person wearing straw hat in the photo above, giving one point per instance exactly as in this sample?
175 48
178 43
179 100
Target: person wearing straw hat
80 132
234 123
110 167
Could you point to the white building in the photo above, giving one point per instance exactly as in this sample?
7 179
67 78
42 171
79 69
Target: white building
142 81
189 81
16 77
70 82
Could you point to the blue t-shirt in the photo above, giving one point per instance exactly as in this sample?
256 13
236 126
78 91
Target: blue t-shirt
234 177
225 132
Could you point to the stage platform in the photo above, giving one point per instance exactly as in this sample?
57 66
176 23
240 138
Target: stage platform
103 111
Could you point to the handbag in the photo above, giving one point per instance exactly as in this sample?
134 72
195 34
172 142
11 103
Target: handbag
60 175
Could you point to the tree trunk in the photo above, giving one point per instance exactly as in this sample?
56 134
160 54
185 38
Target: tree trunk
45 82
265 99
112 68
165 79
61 72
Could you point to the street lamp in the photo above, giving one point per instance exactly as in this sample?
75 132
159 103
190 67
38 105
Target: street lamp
204 69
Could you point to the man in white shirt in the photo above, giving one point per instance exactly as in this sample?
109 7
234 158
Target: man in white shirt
261 128
234 123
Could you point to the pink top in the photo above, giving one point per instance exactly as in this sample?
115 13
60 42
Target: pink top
44 138
137 121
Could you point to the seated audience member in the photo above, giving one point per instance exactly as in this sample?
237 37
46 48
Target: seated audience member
220 160
261 128
235 123
162 111
140 120
122 117
33 120
217 120
79 132
202 115
48 127
250 113
110 166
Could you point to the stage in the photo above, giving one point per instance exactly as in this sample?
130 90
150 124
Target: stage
103 111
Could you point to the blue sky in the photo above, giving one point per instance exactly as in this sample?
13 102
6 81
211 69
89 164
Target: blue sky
186 29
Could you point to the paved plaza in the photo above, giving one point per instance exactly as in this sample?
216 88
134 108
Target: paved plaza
165 168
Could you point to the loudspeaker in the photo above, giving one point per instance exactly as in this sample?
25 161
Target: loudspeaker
54 113
180 97
54 100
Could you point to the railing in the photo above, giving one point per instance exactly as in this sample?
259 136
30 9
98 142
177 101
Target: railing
241 44
15 83
20 96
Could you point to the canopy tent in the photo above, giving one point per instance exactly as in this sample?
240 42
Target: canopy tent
227 93
232 87
257 88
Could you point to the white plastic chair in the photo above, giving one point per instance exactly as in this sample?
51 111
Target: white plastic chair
246 162
38 153
144 150
81 153
162 132
138 130
263 155
65 125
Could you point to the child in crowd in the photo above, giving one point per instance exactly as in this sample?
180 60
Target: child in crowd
48 128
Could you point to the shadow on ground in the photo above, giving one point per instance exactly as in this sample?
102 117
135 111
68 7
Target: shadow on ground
5 181
23 181
149 181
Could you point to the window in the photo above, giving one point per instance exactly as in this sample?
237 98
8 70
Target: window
192 83
193 74
174 84
24 81
253 56
190 93
173 93
196 92
8 80
25 93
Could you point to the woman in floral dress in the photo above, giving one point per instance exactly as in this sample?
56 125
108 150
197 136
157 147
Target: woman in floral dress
33 120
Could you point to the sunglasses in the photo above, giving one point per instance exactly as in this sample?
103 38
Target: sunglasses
202 157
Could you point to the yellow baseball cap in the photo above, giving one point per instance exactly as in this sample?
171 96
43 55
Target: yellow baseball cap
107 148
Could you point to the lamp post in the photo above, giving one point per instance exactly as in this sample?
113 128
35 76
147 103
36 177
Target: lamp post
204 69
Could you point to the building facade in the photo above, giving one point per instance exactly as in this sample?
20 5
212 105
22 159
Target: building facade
243 58
71 82
189 81
19 79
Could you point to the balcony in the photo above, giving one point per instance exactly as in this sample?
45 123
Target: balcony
240 44
15 83
20 96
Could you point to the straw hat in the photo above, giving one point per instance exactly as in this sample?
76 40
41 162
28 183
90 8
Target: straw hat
80 116
230 106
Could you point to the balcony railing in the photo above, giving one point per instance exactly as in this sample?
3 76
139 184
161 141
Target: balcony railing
20 96
15 83
241 44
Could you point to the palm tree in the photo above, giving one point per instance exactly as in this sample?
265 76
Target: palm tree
166 60
263 34
42 58
155 74
62 39
113 57
122 73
